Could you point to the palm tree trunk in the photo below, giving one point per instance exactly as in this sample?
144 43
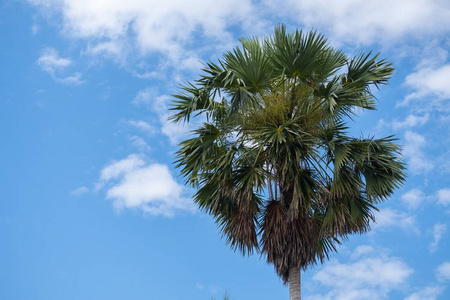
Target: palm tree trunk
294 284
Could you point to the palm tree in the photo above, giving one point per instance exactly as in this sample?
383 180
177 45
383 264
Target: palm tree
272 161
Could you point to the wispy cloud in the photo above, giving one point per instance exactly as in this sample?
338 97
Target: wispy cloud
74 79
411 121
139 143
133 182
433 291
443 271
389 218
366 278
113 49
413 198
34 29
361 251
145 97
438 231
443 196
52 63
143 126
79 191
428 293
417 161
159 104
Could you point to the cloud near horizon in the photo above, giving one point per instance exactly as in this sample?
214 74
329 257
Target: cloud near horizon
367 278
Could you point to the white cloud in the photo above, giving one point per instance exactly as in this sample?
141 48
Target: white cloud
168 27
428 293
367 278
361 251
79 191
144 97
413 198
417 161
151 26
34 29
146 74
444 196
411 121
369 22
52 63
110 48
74 79
143 126
429 82
443 271
139 143
438 231
135 183
389 218
432 292
160 105
118 168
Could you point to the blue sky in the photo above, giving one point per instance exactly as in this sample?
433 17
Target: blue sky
91 205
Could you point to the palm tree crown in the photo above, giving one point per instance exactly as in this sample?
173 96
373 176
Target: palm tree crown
272 162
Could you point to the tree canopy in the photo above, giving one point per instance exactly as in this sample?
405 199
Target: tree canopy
273 162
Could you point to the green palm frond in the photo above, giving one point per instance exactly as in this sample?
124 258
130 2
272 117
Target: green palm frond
250 64
364 70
